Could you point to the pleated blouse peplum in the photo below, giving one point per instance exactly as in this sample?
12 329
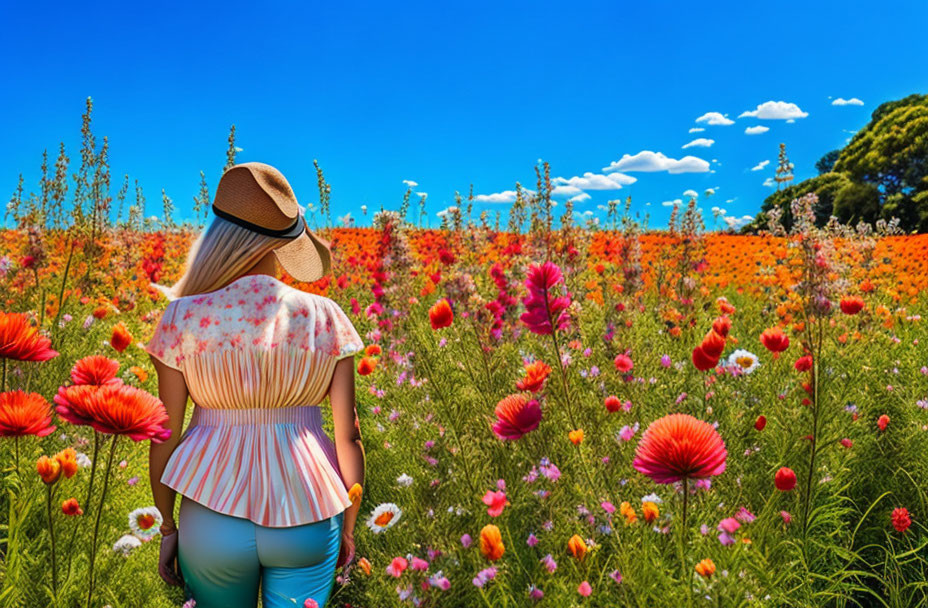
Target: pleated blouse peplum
258 357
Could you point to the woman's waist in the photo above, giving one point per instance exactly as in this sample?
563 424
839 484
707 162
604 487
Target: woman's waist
309 416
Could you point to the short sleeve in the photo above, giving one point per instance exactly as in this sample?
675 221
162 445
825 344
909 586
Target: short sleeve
344 340
165 342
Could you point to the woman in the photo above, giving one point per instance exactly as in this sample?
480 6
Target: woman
265 498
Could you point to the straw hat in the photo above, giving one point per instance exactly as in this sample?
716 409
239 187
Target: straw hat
258 197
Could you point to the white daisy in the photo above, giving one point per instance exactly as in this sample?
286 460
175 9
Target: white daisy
745 361
652 498
83 460
404 480
145 523
384 516
126 544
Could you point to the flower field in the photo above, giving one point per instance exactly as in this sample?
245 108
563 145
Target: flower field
558 418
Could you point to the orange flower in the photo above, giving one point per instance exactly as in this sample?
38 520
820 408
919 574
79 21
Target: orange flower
23 413
628 512
491 543
440 314
95 370
140 373
366 366
650 511
48 469
576 437
576 546
372 350
774 340
680 446
354 494
21 341
121 337
365 565
705 568
117 409
536 373
67 458
71 507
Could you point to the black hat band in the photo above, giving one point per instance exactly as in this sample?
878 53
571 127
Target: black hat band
291 232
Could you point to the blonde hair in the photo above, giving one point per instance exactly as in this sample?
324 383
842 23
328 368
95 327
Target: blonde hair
223 252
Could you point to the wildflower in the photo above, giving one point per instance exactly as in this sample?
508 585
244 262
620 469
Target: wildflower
666 361
575 436
466 540
536 373
787 518
48 469
851 305
440 580
745 516
71 507
760 423
117 409
628 512
516 416
549 563
847 443
21 341
491 543
354 493
585 589
121 338
679 446
95 370
397 566
365 565
384 516
774 340
705 568
544 313
440 314
627 433
576 546
649 511
743 360
882 422
703 361
419 564
23 413
126 544
613 404
139 373
310 603
623 363
403 480
616 576
145 522
372 350
785 479
366 366
803 364
496 501
67 458
484 576
901 520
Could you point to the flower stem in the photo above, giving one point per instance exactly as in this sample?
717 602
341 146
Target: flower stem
86 503
96 527
51 534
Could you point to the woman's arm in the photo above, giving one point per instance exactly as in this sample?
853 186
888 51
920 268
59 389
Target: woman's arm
348 446
172 390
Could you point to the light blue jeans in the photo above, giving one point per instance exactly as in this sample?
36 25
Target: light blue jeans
224 559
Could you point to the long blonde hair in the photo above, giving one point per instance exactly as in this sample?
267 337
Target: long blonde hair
223 252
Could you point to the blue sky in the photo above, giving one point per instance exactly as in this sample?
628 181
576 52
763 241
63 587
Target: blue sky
449 95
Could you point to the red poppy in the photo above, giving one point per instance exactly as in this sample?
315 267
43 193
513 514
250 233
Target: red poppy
71 507
804 363
117 409
702 360
713 344
882 422
121 338
680 446
516 416
613 404
760 423
624 363
722 326
774 340
901 520
784 479
851 305
372 350
21 341
366 366
441 315
23 413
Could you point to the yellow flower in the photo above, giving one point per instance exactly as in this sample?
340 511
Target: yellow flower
354 494
628 513
705 568
650 511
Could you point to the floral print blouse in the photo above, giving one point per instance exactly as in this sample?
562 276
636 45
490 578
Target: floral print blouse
258 357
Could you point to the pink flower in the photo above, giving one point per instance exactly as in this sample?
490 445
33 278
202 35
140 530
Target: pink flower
544 312
624 364
466 540
397 566
310 603
680 446
584 589
496 501
729 524
419 564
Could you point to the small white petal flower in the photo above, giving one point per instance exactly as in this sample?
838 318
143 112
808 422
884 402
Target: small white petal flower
126 544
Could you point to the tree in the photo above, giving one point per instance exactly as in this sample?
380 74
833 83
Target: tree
826 186
826 164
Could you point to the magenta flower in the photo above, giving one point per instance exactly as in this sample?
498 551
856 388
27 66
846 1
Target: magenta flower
496 501
544 311
516 416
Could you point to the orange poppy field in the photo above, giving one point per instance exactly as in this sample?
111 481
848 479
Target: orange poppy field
556 418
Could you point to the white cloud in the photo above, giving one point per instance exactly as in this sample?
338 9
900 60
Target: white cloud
672 203
583 196
690 194
596 181
711 191
775 110
409 183
563 190
697 130
853 101
770 182
737 222
701 142
422 194
446 211
507 196
760 166
656 161
756 130
715 119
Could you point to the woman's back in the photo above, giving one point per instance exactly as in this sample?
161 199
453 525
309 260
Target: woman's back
258 357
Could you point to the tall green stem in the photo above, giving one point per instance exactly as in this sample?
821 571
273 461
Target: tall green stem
96 526
86 503
51 534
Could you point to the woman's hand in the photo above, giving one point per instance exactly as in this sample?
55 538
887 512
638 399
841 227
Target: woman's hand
167 560
346 551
